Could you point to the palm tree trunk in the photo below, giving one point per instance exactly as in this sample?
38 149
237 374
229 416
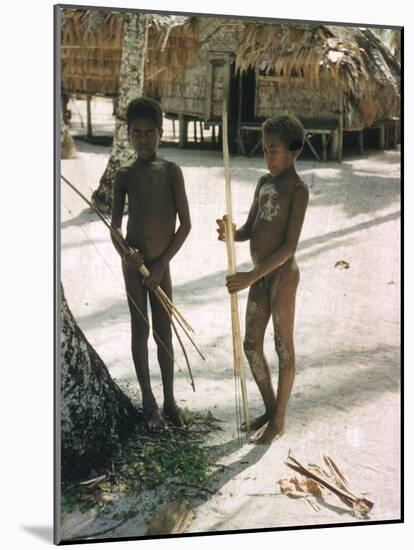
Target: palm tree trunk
131 82
95 415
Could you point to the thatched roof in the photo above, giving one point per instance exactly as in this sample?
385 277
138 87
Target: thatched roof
354 60
350 60
91 50
171 43
309 49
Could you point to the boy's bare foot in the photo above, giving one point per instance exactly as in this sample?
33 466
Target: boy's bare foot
173 412
268 433
256 423
154 420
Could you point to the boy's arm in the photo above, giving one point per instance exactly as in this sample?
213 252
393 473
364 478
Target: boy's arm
133 258
244 232
183 212
118 204
244 279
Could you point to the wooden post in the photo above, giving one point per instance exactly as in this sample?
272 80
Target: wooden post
65 110
396 131
173 125
334 144
391 134
195 130
341 127
183 127
209 92
240 144
89 134
382 136
235 320
324 148
361 141
201 131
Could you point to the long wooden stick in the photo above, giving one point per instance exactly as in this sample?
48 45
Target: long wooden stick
231 257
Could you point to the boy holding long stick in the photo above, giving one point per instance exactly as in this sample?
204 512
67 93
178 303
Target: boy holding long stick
273 228
156 195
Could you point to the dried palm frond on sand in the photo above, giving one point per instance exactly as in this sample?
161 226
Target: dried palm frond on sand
314 481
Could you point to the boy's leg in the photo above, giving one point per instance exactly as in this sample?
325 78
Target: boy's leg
257 317
162 331
137 296
283 287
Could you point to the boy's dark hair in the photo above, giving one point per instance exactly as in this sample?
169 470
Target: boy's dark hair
288 128
144 107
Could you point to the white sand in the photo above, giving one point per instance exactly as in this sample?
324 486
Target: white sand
346 397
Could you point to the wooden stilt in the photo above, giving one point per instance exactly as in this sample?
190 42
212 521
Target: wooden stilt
381 143
240 145
324 147
334 145
183 129
89 134
396 131
341 127
312 148
340 143
361 142
195 130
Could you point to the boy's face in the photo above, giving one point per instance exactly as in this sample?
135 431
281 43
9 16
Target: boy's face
277 156
144 136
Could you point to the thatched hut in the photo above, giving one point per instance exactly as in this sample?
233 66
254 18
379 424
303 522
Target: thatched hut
335 79
91 52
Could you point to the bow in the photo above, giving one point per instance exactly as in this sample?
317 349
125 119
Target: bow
231 257
164 300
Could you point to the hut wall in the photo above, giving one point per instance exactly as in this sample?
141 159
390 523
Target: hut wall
297 96
200 90
187 95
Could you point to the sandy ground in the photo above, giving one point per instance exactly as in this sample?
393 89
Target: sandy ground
346 397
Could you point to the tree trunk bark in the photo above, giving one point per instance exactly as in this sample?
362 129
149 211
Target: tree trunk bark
131 81
95 414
